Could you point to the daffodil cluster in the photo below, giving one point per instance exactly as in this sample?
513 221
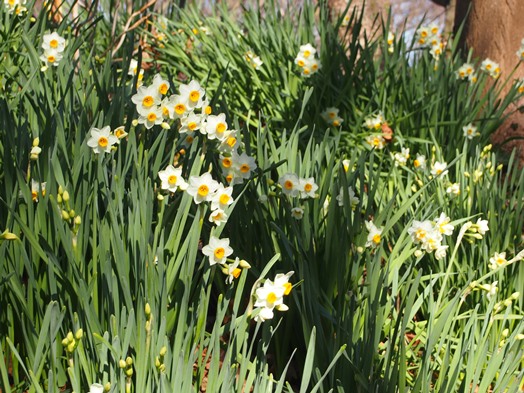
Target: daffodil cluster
401 158
270 296
491 68
16 7
53 45
467 72
307 60
428 36
253 60
374 123
330 115
217 251
295 186
428 235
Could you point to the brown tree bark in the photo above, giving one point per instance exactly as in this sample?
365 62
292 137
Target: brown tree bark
492 29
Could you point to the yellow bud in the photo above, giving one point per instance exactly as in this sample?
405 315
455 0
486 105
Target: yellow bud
129 361
71 347
515 295
160 197
70 337
360 250
134 122
244 264
32 19
122 363
519 336
162 368
500 167
59 198
165 126
129 372
107 387
6 235
78 220
65 215
79 334
505 333
158 363
36 141
71 213
65 196
60 190
65 342
163 351
147 310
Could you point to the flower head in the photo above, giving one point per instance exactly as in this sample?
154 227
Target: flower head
374 236
498 259
297 213
217 250
171 179
202 188
307 187
439 168
290 184
470 131
353 200
102 140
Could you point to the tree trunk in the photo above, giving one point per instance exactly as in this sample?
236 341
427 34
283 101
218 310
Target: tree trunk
492 29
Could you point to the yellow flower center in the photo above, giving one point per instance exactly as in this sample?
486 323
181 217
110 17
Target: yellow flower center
207 110
180 109
236 272
119 133
172 180
102 141
151 117
308 187
301 63
224 199
163 88
288 185
221 127
420 234
34 195
148 101
165 111
416 163
307 54
287 288
219 253
226 162
422 41
53 43
11 3
271 297
423 34
438 171
203 190
314 66
376 141
488 67
194 96
376 238
244 168
229 178
192 125
336 123
306 71
231 141
51 59
500 261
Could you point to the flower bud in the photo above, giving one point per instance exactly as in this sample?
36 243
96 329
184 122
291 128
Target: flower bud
79 334
6 235
129 361
65 196
163 351
78 220
65 215
107 387
505 333
70 337
129 371
71 347
122 363
165 125
244 264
